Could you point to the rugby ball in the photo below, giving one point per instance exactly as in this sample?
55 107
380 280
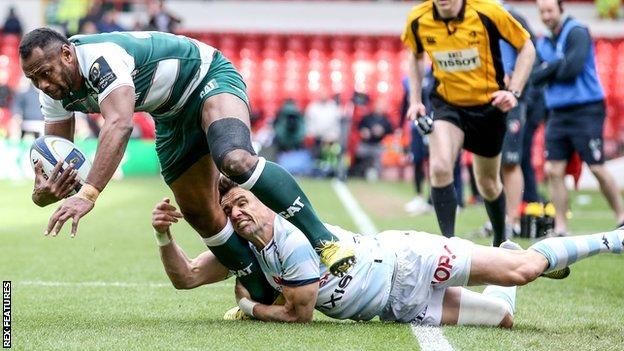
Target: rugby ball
49 150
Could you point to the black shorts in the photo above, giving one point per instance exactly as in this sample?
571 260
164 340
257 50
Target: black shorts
512 144
577 128
483 126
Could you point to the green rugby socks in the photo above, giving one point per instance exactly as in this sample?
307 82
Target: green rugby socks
279 191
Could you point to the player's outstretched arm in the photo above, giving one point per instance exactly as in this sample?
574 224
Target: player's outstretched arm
183 272
117 109
298 308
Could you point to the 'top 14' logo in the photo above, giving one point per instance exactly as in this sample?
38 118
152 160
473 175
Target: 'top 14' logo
445 266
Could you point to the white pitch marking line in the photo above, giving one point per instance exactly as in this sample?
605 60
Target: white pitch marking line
429 338
361 219
94 284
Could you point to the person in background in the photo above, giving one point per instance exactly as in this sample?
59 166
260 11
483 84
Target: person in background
373 127
575 98
12 24
89 27
87 24
108 23
419 145
26 109
162 19
470 98
513 178
289 127
536 113
322 120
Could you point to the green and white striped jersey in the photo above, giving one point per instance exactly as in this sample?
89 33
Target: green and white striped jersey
163 68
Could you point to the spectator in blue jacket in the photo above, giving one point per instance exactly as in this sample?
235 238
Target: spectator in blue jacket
575 97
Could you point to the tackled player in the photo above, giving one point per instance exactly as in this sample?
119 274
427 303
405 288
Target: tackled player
402 276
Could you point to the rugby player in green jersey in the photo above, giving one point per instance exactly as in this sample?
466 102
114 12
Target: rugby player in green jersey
201 110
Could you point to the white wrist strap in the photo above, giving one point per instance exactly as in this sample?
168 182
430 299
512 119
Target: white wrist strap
162 239
247 306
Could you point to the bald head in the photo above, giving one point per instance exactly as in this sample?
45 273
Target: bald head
550 13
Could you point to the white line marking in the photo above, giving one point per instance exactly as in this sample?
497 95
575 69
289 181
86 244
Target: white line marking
95 284
429 338
361 219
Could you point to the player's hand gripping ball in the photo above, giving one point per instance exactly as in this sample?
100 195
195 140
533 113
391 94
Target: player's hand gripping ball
50 150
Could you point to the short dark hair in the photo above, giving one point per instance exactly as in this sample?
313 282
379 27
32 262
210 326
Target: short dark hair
225 185
40 38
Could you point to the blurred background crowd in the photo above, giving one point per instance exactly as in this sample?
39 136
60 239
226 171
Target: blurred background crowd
323 104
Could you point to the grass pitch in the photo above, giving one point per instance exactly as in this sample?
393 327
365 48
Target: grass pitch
106 289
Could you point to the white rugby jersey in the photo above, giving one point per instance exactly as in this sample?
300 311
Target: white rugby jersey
163 68
289 260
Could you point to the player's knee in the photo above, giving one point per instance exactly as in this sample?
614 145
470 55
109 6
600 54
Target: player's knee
229 140
489 187
552 172
524 274
441 172
237 162
507 321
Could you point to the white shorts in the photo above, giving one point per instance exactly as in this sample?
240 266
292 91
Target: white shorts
427 264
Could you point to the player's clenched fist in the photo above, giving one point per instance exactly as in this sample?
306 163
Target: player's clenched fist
163 215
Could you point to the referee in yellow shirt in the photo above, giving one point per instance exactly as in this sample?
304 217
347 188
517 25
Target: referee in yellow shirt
470 99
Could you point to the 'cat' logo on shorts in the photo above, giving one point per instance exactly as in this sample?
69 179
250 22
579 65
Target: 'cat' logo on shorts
445 266
457 60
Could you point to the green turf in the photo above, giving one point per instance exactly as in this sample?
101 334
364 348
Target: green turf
115 244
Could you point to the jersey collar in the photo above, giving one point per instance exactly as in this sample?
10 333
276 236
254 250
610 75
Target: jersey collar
459 17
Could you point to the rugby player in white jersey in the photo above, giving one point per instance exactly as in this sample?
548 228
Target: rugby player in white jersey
201 110
402 276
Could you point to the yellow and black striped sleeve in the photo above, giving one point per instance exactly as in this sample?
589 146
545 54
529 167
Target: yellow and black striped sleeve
410 34
509 29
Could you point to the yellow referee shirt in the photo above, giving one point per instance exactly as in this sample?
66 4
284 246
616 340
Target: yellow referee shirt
465 50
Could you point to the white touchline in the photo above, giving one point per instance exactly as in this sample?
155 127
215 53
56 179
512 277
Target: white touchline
361 219
96 284
429 338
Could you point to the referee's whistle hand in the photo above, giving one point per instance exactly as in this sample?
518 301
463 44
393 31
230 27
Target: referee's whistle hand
504 100
415 110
